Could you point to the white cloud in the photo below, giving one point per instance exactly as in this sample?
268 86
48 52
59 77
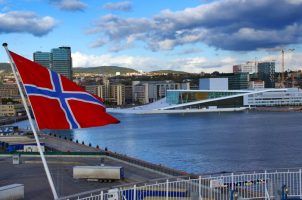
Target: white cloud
28 22
292 60
254 24
192 64
84 60
119 6
295 1
69 5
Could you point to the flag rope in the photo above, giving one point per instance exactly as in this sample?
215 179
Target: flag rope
50 180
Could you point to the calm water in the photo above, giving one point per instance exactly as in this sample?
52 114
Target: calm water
204 143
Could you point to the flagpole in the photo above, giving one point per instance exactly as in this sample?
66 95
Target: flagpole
52 186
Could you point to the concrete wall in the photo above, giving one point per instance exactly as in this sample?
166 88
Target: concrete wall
213 84
12 192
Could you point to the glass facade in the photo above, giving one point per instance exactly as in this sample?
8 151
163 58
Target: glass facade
180 97
58 60
291 97
239 81
43 58
266 72
61 61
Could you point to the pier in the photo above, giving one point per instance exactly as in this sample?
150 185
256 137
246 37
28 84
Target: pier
62 155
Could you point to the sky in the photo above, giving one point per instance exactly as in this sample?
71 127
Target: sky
188 35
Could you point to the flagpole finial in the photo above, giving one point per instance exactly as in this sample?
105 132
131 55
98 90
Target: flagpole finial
4 44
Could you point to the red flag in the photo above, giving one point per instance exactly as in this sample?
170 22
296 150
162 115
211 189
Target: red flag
57 102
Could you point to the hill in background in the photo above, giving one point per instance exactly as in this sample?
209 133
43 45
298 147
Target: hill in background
168 72
106 70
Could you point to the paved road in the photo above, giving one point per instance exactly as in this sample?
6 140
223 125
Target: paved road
65 145
31 174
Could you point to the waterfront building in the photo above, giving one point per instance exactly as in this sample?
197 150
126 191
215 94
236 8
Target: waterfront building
62 61
43 58
9 90
213 84
150 91
239 81
117 94
266 72
104 89
11 110
140 92
114 94
285 97
248 67
93 89
128 94
101 92
197 99
258 84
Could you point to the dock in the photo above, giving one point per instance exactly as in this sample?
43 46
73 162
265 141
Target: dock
62 155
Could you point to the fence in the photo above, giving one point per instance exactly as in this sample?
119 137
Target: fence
263 185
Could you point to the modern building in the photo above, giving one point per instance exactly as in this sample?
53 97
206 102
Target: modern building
128 94
204 98
93 89
9 90
199 99
248 67
239 81
117 93
195 101
11 110
140 92
62 61
103 90
43 58
256 84
58 60
114 94
150 91
213 84
266 72
283 97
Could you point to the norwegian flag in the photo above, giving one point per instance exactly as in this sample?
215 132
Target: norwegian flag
57 102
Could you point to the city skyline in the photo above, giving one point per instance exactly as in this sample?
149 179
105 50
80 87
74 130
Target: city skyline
192 36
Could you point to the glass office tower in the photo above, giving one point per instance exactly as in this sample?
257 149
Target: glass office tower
58 60
43 58
266 72
61 61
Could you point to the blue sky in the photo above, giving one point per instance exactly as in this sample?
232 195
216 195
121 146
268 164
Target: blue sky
189 35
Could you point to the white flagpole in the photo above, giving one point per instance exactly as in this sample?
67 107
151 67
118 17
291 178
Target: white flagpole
52 186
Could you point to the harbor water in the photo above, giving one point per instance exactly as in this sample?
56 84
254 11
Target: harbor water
205 142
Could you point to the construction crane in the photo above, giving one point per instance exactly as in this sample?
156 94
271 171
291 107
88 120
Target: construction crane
283 63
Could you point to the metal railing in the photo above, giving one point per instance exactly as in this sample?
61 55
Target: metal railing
264 185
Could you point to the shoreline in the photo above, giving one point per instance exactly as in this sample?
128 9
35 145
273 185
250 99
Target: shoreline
11 120
218 110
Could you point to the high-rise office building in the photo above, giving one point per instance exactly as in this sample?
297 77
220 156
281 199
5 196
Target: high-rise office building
61 61
58 60
266 72
250 67
239 81
43 58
